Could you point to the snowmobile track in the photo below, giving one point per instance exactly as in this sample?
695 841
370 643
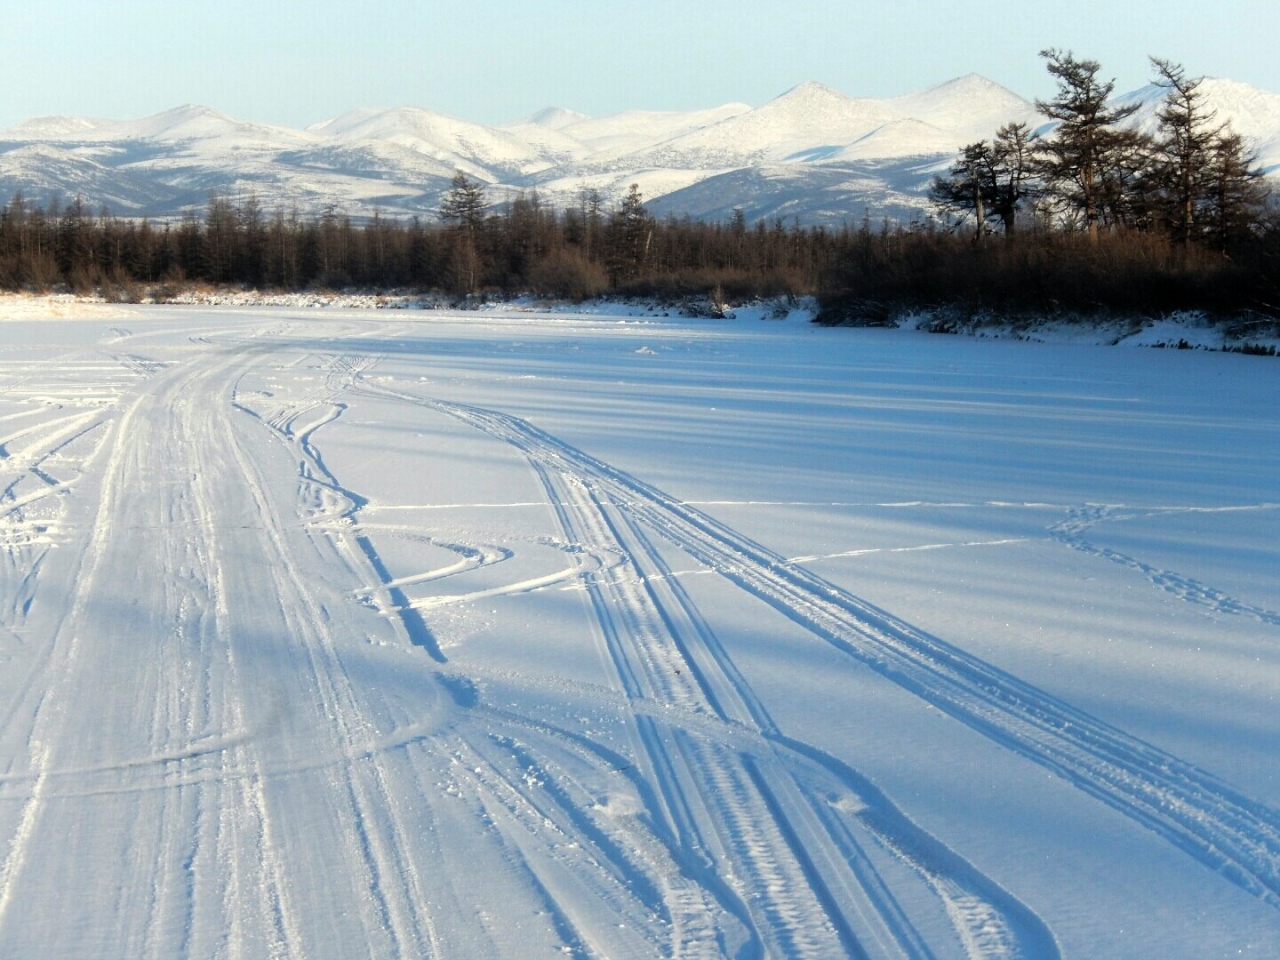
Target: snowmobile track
1200 814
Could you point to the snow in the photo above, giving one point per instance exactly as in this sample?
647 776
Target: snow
553 118
400 160
567 191
897 138
620 134
180 125
54 128
813 123
970 107
469 146
805 117
519 633
1244 109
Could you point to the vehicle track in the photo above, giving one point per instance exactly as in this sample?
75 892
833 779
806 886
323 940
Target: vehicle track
799 878
201 852
375 837
1224 829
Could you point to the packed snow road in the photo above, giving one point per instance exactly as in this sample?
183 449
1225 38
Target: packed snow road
335 634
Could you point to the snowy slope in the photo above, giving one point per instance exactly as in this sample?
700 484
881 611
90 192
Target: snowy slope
565 187
475 149
551 118
622 134
807 116
43 169
183 125
401 159
329 634
55 128
969 108
1246 110
832 192
897 138
813 122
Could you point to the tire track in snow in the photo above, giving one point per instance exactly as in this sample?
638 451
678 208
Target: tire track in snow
25 540
243 836
711 816
829 861
804 885
1224 829
26 455
50 719
376 840
206 867
508 786
995 924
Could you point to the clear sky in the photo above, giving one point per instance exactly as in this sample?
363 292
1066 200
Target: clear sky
294 63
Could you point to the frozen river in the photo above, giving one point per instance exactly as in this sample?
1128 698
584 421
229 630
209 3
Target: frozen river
397 634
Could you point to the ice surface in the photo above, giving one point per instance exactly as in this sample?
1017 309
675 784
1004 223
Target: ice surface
511 634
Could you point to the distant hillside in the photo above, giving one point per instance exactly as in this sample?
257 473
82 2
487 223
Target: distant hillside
813 154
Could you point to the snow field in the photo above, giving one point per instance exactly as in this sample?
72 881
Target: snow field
524 635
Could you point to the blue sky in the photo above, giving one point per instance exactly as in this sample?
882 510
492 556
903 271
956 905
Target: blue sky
289 62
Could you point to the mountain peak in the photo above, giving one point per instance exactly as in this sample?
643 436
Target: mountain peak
191 121
972 107
553 118
817 106
969 81
1252 112
811 91
401 158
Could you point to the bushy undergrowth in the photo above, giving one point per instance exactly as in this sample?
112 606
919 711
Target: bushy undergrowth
1051 273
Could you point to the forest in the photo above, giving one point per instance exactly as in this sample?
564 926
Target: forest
1091 217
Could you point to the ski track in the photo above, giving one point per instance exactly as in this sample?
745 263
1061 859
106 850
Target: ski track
375 841
42 458
1205 817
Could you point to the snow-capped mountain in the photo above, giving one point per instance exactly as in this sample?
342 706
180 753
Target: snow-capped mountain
630 132
969 108
185 125
1248 111
807 117
812 153
477 150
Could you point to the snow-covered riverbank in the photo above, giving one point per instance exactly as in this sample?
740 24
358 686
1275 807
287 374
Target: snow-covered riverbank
1189 330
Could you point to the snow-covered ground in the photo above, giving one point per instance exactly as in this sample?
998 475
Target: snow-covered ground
349 633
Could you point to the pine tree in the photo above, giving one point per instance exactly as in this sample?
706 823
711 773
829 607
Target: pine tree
1079 161
990 180
1237 196
463 209
630 237
970 186
1011 152
1186 145
464 203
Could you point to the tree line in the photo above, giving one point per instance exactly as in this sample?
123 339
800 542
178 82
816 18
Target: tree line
1091 216
523 245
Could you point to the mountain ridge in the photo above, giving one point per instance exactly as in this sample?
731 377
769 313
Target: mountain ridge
811 152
